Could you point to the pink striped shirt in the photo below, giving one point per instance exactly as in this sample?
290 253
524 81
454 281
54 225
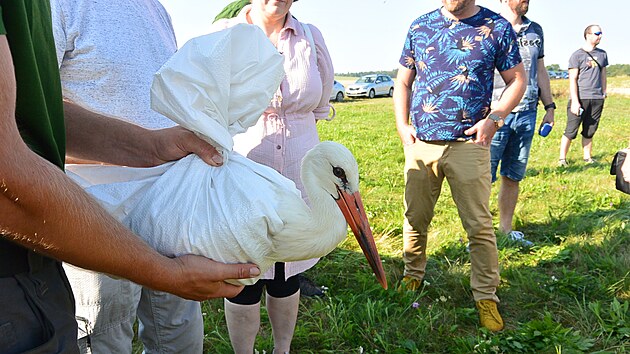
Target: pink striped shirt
287 129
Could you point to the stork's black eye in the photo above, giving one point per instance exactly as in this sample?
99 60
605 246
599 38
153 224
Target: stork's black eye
339 172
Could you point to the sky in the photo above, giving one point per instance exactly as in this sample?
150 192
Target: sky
368 35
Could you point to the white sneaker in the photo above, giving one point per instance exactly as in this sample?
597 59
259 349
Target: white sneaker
520 238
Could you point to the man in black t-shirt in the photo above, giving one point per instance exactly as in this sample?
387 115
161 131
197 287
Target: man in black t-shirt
587 89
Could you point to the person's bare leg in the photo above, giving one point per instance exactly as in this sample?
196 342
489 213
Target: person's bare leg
283 313
565 143
243 322
508 196
587 147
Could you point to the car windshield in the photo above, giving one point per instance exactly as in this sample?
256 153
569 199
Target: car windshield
365 80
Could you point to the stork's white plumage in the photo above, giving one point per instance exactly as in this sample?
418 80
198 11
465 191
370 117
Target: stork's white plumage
331 178
261 218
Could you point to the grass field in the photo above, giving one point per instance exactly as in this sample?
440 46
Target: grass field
570 293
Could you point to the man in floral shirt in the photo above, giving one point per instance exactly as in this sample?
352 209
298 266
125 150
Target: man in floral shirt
444 86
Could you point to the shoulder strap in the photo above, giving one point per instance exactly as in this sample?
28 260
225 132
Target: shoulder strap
596 62
309 36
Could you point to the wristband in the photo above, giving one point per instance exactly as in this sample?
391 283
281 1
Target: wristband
551 105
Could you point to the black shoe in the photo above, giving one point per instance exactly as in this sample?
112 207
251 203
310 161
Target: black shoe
308 288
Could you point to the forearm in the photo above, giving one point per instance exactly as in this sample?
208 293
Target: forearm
402 97
401 106
515 85
573 86
544 84
91 136
45 211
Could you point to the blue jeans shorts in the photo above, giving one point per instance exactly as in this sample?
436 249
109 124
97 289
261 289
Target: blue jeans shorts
511 145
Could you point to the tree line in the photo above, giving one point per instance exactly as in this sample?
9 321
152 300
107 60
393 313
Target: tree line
611 70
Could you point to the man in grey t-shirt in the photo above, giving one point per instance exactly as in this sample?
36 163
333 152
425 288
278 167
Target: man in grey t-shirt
587 88
512 142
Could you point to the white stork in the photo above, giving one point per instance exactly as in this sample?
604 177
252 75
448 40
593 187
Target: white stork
262 220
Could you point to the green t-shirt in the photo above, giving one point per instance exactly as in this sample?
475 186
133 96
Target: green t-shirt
39 106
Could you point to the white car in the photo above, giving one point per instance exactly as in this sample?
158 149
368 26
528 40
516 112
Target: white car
371 86
338 92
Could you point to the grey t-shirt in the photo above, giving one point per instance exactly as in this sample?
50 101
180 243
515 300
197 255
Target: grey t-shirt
531 46
589 72
107 64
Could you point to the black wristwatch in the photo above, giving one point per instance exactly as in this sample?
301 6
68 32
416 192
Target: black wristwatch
551 105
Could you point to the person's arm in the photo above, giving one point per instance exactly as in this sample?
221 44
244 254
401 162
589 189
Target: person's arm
604 82
402 96
544 85
573 91
326 72
93 137
515 84
45 211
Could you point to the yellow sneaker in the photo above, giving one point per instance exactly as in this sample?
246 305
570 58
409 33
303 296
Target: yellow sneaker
489 315
409 284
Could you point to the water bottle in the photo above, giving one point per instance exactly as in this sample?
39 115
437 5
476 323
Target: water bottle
545 129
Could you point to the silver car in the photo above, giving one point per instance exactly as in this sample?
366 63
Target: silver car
371 86
338 92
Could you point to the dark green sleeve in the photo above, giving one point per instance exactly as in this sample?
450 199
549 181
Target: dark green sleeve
2 29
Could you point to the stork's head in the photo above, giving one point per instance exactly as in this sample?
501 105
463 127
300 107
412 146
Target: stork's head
332 167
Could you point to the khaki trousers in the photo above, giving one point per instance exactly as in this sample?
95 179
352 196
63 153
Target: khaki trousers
466 167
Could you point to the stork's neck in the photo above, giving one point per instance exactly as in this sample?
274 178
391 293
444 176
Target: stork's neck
320 232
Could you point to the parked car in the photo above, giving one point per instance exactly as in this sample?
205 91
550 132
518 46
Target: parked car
553 74
338 92
371 86
558 74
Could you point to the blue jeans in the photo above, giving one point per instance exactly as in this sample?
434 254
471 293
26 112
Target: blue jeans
511 145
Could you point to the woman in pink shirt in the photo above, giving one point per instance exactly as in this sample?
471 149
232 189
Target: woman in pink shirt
284 133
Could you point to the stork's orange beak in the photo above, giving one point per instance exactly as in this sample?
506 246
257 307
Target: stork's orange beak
352 208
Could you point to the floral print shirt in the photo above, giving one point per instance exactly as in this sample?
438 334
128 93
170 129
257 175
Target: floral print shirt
454 61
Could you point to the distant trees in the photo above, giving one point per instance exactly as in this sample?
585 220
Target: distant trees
553 67
618 70
611 70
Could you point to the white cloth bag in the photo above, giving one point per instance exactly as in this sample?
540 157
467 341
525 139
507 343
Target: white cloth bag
216 85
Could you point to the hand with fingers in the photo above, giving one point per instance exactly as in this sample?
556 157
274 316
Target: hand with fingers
200 278
484 130
172 144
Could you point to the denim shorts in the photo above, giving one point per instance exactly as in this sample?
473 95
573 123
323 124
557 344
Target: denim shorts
511 145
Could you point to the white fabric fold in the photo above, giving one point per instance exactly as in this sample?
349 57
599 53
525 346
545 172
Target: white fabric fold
218 85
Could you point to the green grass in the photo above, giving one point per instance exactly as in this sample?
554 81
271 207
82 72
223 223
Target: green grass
569 293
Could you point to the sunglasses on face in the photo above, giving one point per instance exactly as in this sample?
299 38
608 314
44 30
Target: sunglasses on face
597 33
